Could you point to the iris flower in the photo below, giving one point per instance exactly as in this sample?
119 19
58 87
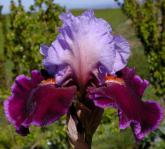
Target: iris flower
86 63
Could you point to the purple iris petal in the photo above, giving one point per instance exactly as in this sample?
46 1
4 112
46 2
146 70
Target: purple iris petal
83 43
36 101
44 50
126 97
50 103
122 53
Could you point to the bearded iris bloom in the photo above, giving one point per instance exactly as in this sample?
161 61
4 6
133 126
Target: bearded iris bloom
86 63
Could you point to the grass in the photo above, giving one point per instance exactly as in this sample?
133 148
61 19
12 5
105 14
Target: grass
109 15
107 136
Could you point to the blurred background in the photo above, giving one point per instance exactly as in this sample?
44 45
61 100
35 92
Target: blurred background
24 25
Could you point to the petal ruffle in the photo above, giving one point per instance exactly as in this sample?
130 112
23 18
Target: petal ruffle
142 116
36 101
83 42
122 53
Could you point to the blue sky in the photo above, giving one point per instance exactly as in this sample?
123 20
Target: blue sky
70 4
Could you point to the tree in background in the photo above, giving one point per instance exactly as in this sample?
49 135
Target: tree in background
28 30
148 17
2 67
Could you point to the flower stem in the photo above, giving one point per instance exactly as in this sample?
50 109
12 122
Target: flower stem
81 125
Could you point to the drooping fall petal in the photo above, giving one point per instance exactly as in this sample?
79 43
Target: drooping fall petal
36 101
125 94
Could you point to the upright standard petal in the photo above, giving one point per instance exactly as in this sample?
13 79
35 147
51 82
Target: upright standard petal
83 43
122 53
125 95
36 101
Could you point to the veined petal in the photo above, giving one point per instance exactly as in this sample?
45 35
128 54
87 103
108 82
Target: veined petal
83 42
36 101
126 97
122 53
50 103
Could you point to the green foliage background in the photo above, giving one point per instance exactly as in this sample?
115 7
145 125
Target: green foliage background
149 21
21 34
28 30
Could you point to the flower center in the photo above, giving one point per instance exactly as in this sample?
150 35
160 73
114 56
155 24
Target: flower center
48 81
114 79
